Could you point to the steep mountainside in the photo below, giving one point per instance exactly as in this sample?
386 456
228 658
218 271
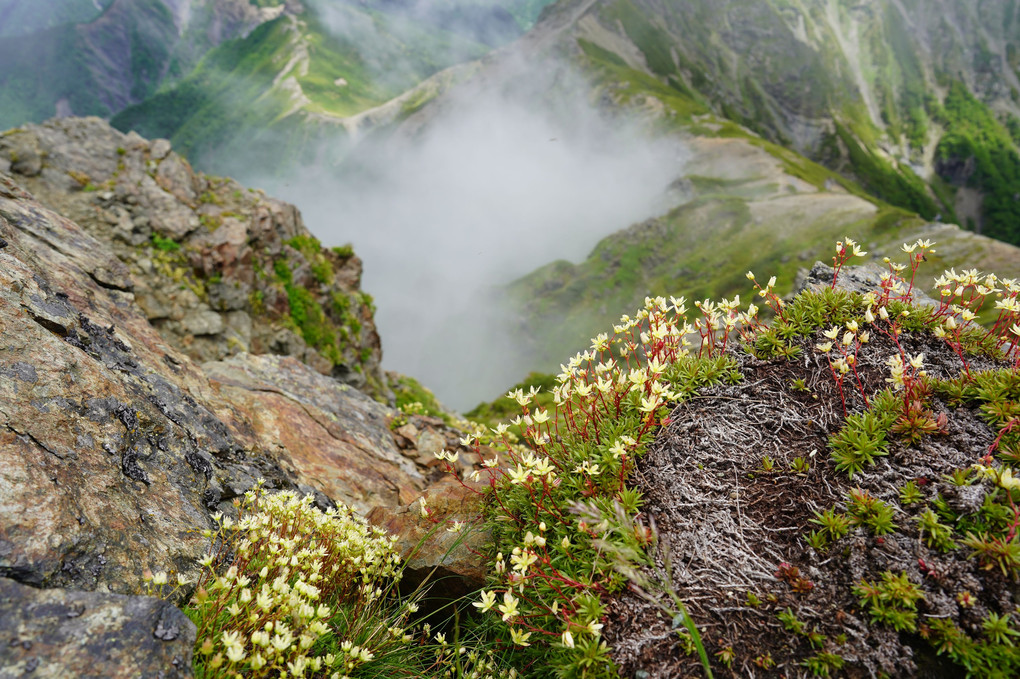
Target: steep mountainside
906 111
293 85
916 100
122 437
751 215
745 201
117 59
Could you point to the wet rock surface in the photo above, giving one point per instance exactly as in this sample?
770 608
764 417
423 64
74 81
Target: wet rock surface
218 268
66 633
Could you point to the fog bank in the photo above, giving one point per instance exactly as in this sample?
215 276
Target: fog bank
496 188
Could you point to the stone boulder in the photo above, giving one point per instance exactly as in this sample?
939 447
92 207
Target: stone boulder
65 633
859 278
435 547
115 445
323 430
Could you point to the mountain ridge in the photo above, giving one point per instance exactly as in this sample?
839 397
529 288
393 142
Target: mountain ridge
118 58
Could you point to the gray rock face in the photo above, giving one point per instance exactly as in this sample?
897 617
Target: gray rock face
114 445
863 278
332 435
197 251
64 633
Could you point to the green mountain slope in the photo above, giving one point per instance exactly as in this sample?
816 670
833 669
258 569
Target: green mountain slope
292 86
749 97
116 59
915 100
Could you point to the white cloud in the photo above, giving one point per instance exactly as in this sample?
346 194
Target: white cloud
497 186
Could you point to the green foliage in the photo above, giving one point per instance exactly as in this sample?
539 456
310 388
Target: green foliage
345 251
606 402
995 656
892 602
211 222
257 301
504 407
790 621
867 510
282 271
804 315
651 40
322 270
165 244
899 185
975 135
289 590
910 493
995 551
409 392
312 322
863 436
233 106
996 394
307 244
934 533
824 664
834 526
632 85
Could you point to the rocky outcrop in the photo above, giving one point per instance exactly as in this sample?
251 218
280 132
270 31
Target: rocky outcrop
63 633
219 269
115 445
321 430
442 543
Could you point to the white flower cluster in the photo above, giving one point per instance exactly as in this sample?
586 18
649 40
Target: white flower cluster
291 567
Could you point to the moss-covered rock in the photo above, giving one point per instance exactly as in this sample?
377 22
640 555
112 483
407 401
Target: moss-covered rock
219 269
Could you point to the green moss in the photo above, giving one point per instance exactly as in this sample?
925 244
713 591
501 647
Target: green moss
312 322
257 302
322 270
165 244
282 271
409 391
350 325
307 244
208 197
211 222
345 251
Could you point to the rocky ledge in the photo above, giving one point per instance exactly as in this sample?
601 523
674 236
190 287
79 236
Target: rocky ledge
217 268
124 426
